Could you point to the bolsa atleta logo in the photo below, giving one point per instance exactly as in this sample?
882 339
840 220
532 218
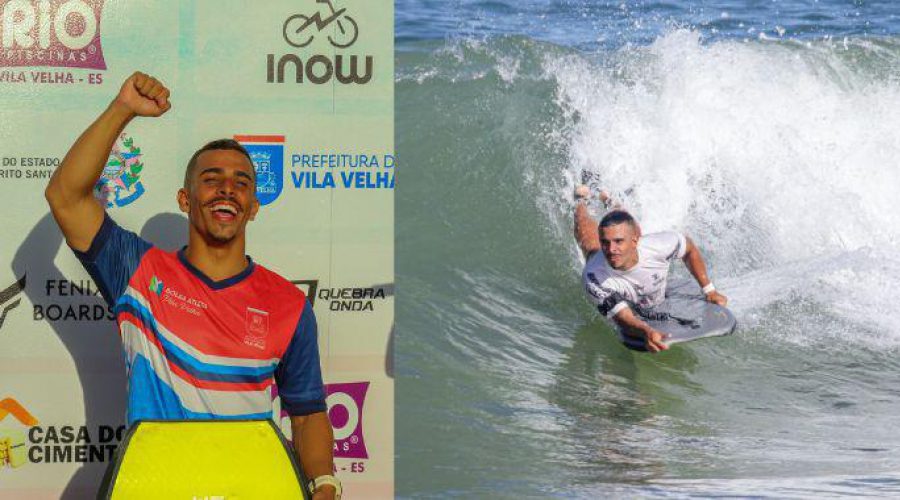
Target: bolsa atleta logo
156 285
120 183
317 35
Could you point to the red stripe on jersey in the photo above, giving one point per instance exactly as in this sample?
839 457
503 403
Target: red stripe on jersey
184 375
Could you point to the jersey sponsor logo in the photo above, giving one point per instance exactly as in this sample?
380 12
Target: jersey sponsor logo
257 328
9 298
156 285
54 33
345 411
174 298
323 41
13 449
120 183
267 154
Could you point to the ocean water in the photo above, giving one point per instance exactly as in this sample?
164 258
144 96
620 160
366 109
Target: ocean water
769 131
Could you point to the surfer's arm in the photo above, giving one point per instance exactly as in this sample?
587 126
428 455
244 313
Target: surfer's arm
611 304
631 323
586 230
70 190
693 260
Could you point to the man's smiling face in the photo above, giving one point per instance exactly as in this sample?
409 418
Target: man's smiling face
221 195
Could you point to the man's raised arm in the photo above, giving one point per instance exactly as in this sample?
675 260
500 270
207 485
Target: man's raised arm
70 190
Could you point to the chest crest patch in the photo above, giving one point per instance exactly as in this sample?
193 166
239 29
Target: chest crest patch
257 328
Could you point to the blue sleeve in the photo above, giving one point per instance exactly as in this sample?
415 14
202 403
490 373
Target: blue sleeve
113 257
299 375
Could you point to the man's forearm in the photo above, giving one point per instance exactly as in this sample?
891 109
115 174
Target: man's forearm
695 264
314 444
75 178
586 233
654 341
631 322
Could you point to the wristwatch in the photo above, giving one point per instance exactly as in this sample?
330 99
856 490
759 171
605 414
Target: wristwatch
323 480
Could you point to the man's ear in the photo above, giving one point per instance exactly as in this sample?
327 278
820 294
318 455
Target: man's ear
184 200
254 208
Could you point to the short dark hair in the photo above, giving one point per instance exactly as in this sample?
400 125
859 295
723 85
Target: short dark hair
616 217
218 144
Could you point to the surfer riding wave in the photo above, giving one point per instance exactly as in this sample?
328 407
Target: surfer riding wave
626 273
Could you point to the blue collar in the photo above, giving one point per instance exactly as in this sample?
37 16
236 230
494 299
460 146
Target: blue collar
216 285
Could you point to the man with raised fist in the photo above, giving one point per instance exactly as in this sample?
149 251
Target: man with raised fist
206 331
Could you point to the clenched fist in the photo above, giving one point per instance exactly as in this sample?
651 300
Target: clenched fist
143 95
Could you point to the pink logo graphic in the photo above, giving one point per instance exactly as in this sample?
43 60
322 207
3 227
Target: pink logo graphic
345 410
58 33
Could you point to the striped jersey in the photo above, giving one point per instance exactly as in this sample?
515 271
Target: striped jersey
202 349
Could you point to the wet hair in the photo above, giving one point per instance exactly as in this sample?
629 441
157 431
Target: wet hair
218 144
616 217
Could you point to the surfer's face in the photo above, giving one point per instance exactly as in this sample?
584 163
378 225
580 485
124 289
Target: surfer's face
619 245
222 195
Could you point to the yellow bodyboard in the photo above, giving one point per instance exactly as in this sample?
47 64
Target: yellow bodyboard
205 460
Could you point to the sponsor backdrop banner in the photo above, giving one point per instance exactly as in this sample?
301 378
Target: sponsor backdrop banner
307 87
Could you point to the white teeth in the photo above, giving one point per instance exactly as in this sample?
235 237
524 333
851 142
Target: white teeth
223 206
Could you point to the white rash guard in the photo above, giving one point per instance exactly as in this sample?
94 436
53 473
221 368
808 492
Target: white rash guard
644 285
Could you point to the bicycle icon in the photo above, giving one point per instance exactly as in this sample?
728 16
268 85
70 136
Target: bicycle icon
296 29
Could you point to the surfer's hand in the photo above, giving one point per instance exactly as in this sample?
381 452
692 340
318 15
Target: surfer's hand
143 95
655 340
582 192
717 298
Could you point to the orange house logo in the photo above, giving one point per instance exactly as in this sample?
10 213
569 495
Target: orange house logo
12 441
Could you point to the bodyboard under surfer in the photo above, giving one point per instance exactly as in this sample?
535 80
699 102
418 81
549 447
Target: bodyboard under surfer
684 315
